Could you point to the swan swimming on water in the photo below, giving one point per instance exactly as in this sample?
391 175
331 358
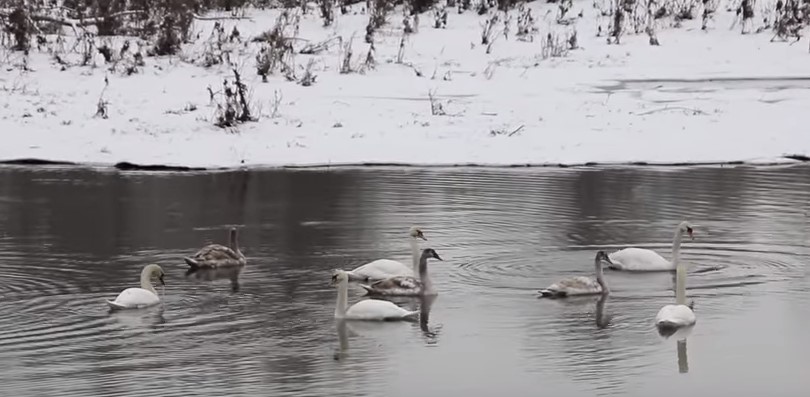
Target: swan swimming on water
136 298
407 285
369 309
642 259
382 269
581 285
216 255
673 317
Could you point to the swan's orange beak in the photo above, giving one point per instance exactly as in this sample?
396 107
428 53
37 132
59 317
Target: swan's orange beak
690 233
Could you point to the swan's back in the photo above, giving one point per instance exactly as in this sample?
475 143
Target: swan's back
579 285
382 269
134 298
380 310
639 259
675 316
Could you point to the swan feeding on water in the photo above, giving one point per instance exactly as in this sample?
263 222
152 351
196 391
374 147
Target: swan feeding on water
369 309
642 259
382 269
216 255
581 285
407 285
136 298
673 317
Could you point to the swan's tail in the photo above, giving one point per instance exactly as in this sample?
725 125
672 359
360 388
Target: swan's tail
191 263
115 306
412 316
547 293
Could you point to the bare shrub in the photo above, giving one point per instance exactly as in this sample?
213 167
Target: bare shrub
554 46
346 57
439 18
236 108
327 8
525 23
276 54
488 29
309 77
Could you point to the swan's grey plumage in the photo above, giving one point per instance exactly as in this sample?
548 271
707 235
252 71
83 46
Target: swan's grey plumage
405 285
216 255
581 285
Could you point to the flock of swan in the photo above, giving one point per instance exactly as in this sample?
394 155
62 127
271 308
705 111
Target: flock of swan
386 277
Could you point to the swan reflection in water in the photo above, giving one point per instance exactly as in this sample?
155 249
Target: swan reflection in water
231 273
346 328
148 318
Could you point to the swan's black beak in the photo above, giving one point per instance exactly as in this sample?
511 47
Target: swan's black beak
334 279
422 236
161 280
690 232
435 255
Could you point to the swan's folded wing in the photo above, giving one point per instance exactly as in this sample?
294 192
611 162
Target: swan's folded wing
215 252
579 283
397 283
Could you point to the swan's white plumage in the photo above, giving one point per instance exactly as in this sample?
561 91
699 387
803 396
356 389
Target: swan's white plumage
377 310
381 269
675 316
134 298
639 259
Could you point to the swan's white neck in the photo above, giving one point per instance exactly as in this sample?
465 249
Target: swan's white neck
146 280
342 299
680 284
676 246
600 275
415 255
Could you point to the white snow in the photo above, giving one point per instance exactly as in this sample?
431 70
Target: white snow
572 110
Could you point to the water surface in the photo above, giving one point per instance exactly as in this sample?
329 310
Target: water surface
69 239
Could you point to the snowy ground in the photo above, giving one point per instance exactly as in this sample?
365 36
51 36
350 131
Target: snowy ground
711 96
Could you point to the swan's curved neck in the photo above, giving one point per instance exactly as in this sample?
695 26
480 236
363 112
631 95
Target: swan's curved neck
415 255
427 284
146 280
600 275
342 299
680 284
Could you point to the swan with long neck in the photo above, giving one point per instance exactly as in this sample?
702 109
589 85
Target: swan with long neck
673 317
382 269
642 259
136 298
581 285
407 286
216 255
369 309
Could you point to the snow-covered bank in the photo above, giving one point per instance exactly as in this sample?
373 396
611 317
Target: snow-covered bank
701 96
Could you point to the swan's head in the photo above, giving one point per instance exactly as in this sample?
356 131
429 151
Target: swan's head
339 276
430 253
156 271
416 232
602 256
686 227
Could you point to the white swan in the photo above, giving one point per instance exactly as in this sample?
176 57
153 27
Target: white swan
642 259
369 309
407 285
382 269
136 298
673 317
581 285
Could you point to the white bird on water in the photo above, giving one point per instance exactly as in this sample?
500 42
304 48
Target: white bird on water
369 309
642 259
382 269
136 298
674 317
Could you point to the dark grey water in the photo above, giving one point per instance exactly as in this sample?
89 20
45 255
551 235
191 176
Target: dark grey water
71 239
